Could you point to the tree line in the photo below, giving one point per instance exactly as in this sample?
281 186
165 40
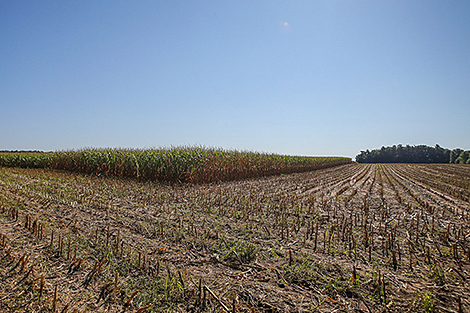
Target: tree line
21 151
414 154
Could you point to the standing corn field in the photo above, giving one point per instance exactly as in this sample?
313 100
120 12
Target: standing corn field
184 164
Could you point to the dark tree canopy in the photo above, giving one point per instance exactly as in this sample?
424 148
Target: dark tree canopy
414 154
21 151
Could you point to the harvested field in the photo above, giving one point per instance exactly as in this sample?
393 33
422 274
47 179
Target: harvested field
352 238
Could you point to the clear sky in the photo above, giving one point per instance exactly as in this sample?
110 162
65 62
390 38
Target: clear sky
291 77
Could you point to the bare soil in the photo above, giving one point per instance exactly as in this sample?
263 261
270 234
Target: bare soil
354 238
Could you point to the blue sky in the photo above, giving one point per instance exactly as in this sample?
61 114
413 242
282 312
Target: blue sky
290 77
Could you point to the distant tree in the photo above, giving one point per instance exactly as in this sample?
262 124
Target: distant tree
414 154
463 158
454 154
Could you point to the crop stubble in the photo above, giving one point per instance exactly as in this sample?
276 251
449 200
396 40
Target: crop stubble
352 238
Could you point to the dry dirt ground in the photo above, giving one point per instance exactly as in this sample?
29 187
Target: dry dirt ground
354 238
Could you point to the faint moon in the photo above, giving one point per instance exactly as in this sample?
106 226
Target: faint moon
285 26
